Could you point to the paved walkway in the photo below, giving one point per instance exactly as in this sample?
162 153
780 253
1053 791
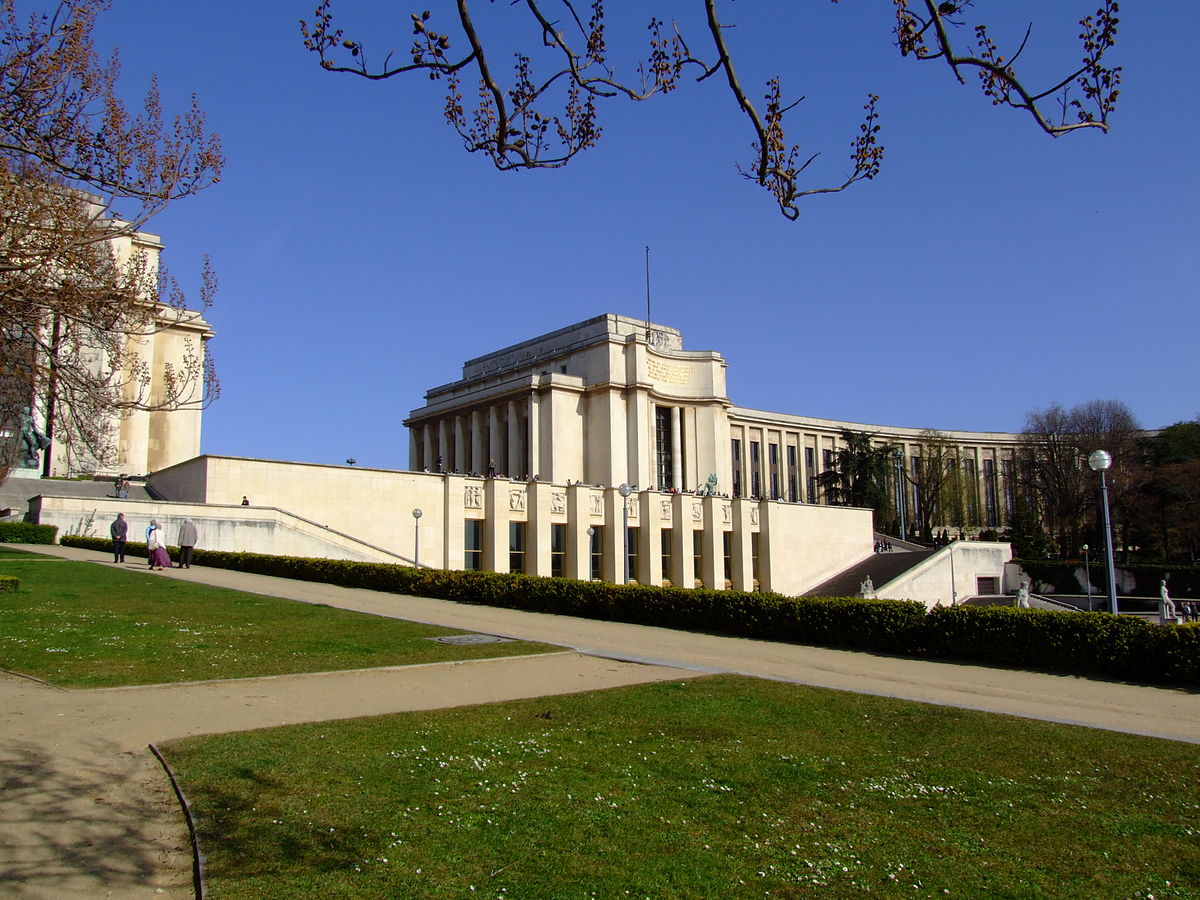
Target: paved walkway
85 810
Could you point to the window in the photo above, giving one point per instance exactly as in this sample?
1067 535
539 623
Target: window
916 493
971 489
1010 496
516 547
736 454
827 466
754 571
810 467
663 443
596 551
792 475
558 549
727 553
473 544
987 585
773 469
698 556
755 476
990 500
634 571
665 538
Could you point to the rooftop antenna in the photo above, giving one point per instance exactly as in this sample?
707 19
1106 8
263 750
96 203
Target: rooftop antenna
648 293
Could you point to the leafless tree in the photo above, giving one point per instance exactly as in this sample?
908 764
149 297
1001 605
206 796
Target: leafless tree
1056 443
544 120
79 292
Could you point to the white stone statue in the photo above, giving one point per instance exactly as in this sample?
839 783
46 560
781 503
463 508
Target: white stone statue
1023 595
1166 606
866 590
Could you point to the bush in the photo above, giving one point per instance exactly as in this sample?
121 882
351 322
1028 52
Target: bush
9 584
27 533
1081 643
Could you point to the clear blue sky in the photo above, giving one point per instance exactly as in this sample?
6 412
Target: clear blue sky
990 270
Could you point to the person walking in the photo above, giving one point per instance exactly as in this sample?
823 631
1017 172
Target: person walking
119 531
156 548
187 543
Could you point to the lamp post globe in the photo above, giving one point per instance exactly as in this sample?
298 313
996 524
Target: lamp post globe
416 514
1100 461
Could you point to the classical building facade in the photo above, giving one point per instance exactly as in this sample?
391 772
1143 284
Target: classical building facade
142 440
604 450
617 400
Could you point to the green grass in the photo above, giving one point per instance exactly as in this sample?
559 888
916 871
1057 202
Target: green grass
84 624
716 787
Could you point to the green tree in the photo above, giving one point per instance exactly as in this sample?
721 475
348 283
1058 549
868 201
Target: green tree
860 475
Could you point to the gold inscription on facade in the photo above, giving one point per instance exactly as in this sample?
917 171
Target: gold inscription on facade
669 373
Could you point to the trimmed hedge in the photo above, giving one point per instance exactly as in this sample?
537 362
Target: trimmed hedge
9 584
1077 643
27 533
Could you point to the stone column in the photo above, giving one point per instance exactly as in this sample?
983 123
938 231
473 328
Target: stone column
460 445
495 445
427 446
742 564
533 435
478 461
682 574
714 548
514 463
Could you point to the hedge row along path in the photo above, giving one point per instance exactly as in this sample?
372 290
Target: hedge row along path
88 811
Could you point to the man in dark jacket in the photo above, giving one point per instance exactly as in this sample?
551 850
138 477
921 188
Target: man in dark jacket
187 543
119 530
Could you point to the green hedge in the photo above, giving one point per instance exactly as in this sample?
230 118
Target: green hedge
27 533
1078 643
9 584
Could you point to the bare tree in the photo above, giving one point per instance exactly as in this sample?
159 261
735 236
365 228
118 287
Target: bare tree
542 121
1056 443
80 291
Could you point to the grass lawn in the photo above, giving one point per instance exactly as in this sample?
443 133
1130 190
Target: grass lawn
716 787
84 624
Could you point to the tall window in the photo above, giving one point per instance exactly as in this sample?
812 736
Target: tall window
1010 494
698 556
773 469
754 570
516 547
755 475
810 467
990 500
971 489
916 493
736 454
634 571
792 475
727 553
827 466
473 544
558 549
662 441
596 552
665 539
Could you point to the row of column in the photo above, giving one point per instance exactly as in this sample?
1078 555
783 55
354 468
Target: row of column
540 506
499 440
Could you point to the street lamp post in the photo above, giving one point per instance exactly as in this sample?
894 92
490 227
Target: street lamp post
900 492
417 536
1099 461
1087 575
625 490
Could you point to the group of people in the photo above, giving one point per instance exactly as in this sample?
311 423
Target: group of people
121 487
156 543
